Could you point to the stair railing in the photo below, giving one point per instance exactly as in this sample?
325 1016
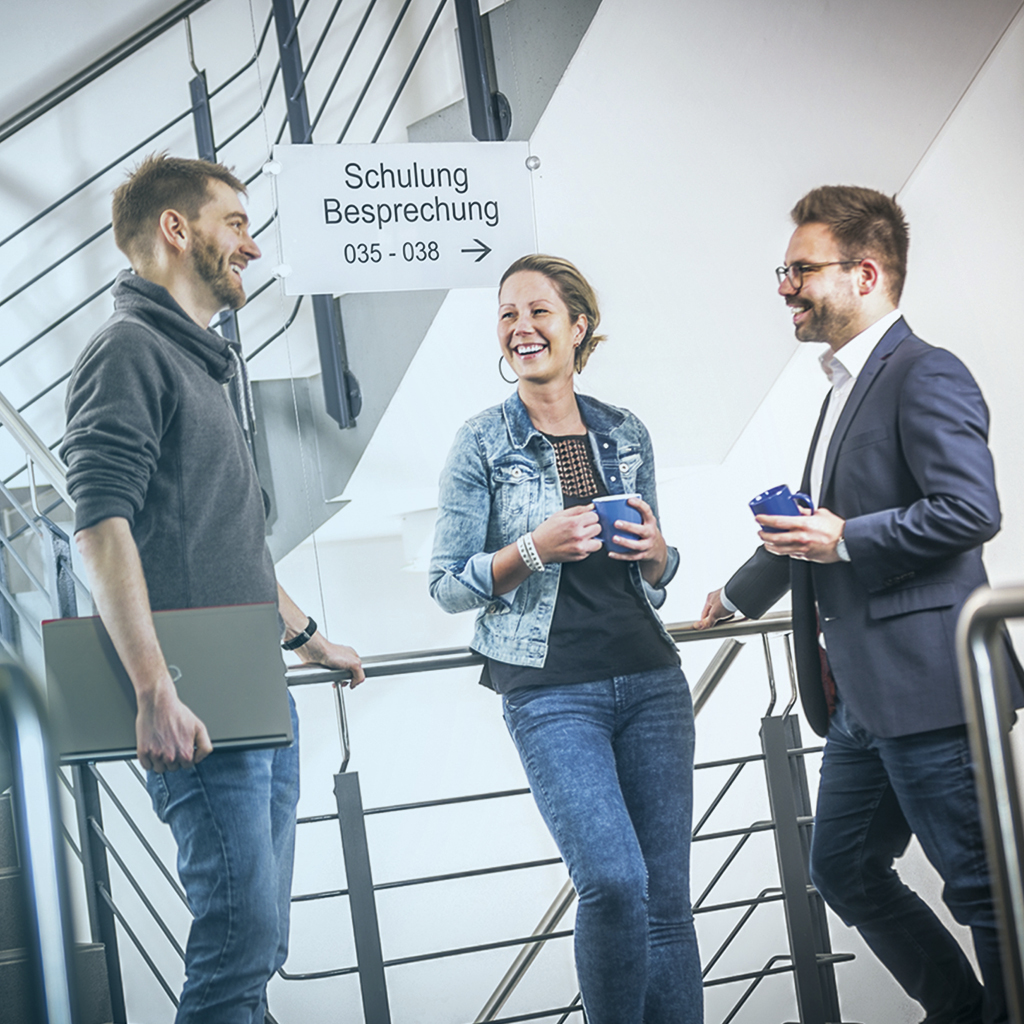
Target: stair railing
39 843
985 670
810 959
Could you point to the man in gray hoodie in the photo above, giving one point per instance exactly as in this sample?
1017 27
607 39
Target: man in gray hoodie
169 514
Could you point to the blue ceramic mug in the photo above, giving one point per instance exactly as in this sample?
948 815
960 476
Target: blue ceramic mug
612 507
778 501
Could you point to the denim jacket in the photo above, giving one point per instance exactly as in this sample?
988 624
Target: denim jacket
500 482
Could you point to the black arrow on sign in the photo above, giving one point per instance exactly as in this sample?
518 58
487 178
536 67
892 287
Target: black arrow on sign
483 250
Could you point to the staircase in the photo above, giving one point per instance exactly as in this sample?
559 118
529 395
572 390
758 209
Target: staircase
36 955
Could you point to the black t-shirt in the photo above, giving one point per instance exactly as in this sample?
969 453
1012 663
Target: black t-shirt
600 627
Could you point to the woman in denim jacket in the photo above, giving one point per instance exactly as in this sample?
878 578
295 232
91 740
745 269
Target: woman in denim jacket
592 691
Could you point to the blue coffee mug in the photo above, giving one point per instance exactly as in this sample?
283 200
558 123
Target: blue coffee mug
779 501
610 508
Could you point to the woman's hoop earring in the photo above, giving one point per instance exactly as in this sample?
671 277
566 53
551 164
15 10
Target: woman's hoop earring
515 380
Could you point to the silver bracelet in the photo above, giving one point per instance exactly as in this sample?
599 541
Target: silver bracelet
528 553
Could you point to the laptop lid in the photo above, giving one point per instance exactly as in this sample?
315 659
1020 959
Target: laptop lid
226 663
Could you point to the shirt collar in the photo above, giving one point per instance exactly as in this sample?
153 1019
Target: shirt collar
850 359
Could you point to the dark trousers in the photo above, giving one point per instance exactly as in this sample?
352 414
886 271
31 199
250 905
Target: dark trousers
875 792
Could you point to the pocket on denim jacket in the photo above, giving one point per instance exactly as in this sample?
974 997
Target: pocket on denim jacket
629 465
516 482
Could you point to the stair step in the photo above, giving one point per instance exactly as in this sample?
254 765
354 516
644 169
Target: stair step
91 974
13 928
8 846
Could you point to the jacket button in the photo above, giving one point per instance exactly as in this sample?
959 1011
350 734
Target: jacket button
613 479
516 473
623 467
605 445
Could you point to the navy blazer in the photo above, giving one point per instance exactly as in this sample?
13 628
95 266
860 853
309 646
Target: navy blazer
909 469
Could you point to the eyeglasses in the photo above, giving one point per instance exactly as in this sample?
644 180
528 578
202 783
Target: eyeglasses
794 273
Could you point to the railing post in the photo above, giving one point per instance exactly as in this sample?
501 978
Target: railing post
7 618
40 846
489 115
814 981
983 657
340 387
366 931
102 923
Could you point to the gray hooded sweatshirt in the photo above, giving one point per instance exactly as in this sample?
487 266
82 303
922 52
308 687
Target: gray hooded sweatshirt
152 438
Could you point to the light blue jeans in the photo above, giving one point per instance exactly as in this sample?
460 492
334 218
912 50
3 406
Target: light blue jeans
233 818
610 765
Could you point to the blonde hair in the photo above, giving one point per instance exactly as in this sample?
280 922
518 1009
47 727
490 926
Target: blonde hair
575 292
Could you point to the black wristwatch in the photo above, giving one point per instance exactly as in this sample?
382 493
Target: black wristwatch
301 638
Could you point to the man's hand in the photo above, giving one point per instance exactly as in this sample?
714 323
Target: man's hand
811 537
319 650
168 735
714 611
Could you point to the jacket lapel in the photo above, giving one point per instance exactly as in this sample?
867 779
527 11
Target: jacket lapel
805 482
872 368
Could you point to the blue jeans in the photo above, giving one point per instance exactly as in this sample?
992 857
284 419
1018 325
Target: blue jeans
610 764
233 818
874 794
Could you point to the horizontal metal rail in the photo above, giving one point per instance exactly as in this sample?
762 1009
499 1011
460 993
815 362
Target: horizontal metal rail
770 895
462 657
98 68
137 942
451 876
409 70
564 1011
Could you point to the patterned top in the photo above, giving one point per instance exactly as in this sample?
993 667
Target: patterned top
600 627
575 466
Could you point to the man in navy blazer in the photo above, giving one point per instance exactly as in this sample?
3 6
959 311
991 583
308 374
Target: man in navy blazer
902 477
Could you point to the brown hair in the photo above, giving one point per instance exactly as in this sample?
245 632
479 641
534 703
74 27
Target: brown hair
575 292
864 223
159 183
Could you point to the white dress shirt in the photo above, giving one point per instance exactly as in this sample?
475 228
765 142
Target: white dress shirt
842 369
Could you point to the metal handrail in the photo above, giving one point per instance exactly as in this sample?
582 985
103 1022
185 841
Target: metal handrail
985 684
36 450
41 851
462 657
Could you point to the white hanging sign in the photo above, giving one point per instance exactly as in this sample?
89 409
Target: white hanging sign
373 218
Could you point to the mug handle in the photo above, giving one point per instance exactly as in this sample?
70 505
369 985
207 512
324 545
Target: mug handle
804 499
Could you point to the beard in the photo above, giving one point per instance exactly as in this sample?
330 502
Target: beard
830 319
214 270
